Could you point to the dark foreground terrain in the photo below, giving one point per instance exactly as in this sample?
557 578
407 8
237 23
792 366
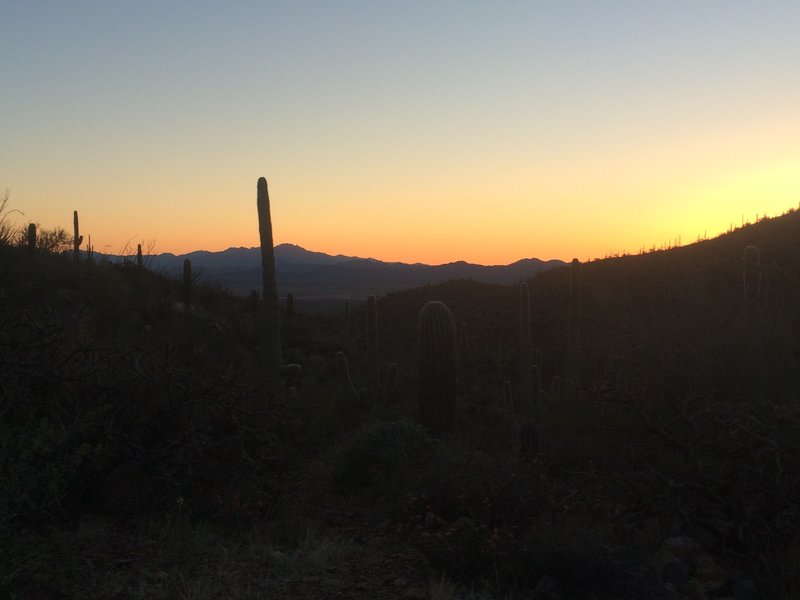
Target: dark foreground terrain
640 440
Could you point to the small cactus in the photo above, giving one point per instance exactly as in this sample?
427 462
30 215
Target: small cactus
437 368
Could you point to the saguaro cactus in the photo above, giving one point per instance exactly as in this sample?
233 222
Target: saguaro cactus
751 274
271 306
32 237
77 240
437 368
574 322
139 261
353 394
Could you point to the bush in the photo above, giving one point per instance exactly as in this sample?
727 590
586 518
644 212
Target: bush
382 456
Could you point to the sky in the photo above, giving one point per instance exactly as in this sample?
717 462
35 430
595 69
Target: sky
411 131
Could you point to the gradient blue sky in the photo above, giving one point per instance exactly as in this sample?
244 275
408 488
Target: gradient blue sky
401 130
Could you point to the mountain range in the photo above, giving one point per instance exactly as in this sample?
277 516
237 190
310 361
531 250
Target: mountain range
315 277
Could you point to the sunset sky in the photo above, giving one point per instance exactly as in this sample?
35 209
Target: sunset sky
402 130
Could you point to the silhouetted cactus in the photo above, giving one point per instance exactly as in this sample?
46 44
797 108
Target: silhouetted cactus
32 237
354 396
437 368
289 305
528 439
139 260
187 284
271 307
751 274
574 322
77 240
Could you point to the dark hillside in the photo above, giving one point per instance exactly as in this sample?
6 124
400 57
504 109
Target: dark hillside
653 454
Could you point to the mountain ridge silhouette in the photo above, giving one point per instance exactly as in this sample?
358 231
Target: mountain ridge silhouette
316 275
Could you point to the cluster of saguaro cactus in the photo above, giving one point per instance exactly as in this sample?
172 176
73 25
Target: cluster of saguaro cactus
574 322
375 391
77 240
751 274
437 368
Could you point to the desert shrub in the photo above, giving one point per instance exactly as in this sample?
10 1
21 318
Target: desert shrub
382 456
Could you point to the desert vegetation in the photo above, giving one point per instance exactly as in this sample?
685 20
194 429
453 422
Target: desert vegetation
619 428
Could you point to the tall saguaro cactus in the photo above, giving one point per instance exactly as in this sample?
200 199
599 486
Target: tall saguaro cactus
437 368
77 239
271 306
139 261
